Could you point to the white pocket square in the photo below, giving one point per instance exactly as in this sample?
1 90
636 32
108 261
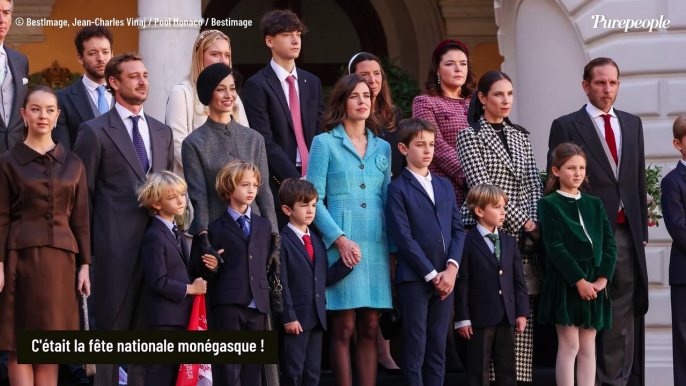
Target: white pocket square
24 81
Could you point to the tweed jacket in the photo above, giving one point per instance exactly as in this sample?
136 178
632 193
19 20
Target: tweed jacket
485 161
205 152
354 190
450 117
566 242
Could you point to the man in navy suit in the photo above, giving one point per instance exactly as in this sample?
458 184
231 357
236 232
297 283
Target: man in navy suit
426 226
118 150
14 73
241 293
87 98
167 267
674 211
491 295
284 103
305 273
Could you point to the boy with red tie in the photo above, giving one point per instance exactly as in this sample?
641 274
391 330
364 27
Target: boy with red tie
305 273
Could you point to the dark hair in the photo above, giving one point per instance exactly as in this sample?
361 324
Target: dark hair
409 128
279 21
383 106
33 90
112 69
597 62
294 190
476 108
432 86
562 153
94 31
337 111
679 127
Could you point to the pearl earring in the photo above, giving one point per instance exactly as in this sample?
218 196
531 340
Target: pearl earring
439 79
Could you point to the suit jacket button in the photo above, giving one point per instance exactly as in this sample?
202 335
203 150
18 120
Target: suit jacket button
501 271
48 216
317 295
315 278
364 205
363 186
500 292
361 166
250 277
249 256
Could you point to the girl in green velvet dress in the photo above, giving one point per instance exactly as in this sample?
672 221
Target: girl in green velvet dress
581 252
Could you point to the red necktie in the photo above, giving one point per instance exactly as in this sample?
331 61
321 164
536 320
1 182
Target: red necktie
308 247
612 144
294 106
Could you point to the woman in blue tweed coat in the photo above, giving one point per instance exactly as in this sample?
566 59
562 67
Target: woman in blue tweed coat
352 173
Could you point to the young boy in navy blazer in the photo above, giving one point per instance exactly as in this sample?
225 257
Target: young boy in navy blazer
243 239
426 226
168 289
491 294
674 212
305 273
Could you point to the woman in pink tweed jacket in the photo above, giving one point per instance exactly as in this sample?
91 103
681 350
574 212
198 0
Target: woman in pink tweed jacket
449 86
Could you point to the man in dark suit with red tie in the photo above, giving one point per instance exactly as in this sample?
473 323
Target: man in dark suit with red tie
119 149
284 103
615 166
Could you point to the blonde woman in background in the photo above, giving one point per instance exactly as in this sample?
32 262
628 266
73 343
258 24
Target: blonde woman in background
184 112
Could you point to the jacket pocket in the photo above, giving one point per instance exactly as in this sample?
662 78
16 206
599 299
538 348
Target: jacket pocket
338 184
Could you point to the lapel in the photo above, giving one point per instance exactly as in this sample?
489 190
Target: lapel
490 138
372 142
480 243
589 135
170 236
17 79
299 244
80 99
157 148
624 130
120 136
413 181
682 169
232 225
275 84
304 97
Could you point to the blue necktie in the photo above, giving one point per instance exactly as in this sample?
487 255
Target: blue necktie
102 101
244 227
139 145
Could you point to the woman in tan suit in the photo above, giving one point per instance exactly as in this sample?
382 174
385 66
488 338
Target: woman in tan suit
44 233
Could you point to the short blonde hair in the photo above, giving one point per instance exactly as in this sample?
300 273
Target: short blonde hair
231 175
482 195
157 186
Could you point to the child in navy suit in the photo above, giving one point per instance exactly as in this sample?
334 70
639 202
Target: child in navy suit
168 289
426 226
491 294
305 272
674 211
243 239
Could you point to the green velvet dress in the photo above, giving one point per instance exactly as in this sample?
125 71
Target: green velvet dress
575 253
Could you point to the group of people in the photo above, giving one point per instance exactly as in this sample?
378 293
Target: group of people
342 203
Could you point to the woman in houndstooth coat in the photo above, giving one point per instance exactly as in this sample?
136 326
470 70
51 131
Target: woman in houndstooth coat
495 151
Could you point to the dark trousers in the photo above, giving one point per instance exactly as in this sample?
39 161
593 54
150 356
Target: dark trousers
131 316
163 375
301 358
679 334
425 327
238 318
497 342
617 347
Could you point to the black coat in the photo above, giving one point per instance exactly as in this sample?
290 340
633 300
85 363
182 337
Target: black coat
13 132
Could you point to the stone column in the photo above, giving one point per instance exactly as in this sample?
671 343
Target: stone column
166 45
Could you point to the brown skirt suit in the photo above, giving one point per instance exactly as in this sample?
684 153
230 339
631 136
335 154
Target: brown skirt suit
44 234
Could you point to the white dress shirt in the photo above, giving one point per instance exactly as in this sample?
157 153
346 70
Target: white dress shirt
282 74
425 182
581 220
92 89
597 115
484 232
125 115
3 63
299 233
683 162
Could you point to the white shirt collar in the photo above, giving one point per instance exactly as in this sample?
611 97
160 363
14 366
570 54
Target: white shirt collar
574 196
90 85
298 232
281 72
235 215
485 232
124 113
2 49
596 112
683 162
421 177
